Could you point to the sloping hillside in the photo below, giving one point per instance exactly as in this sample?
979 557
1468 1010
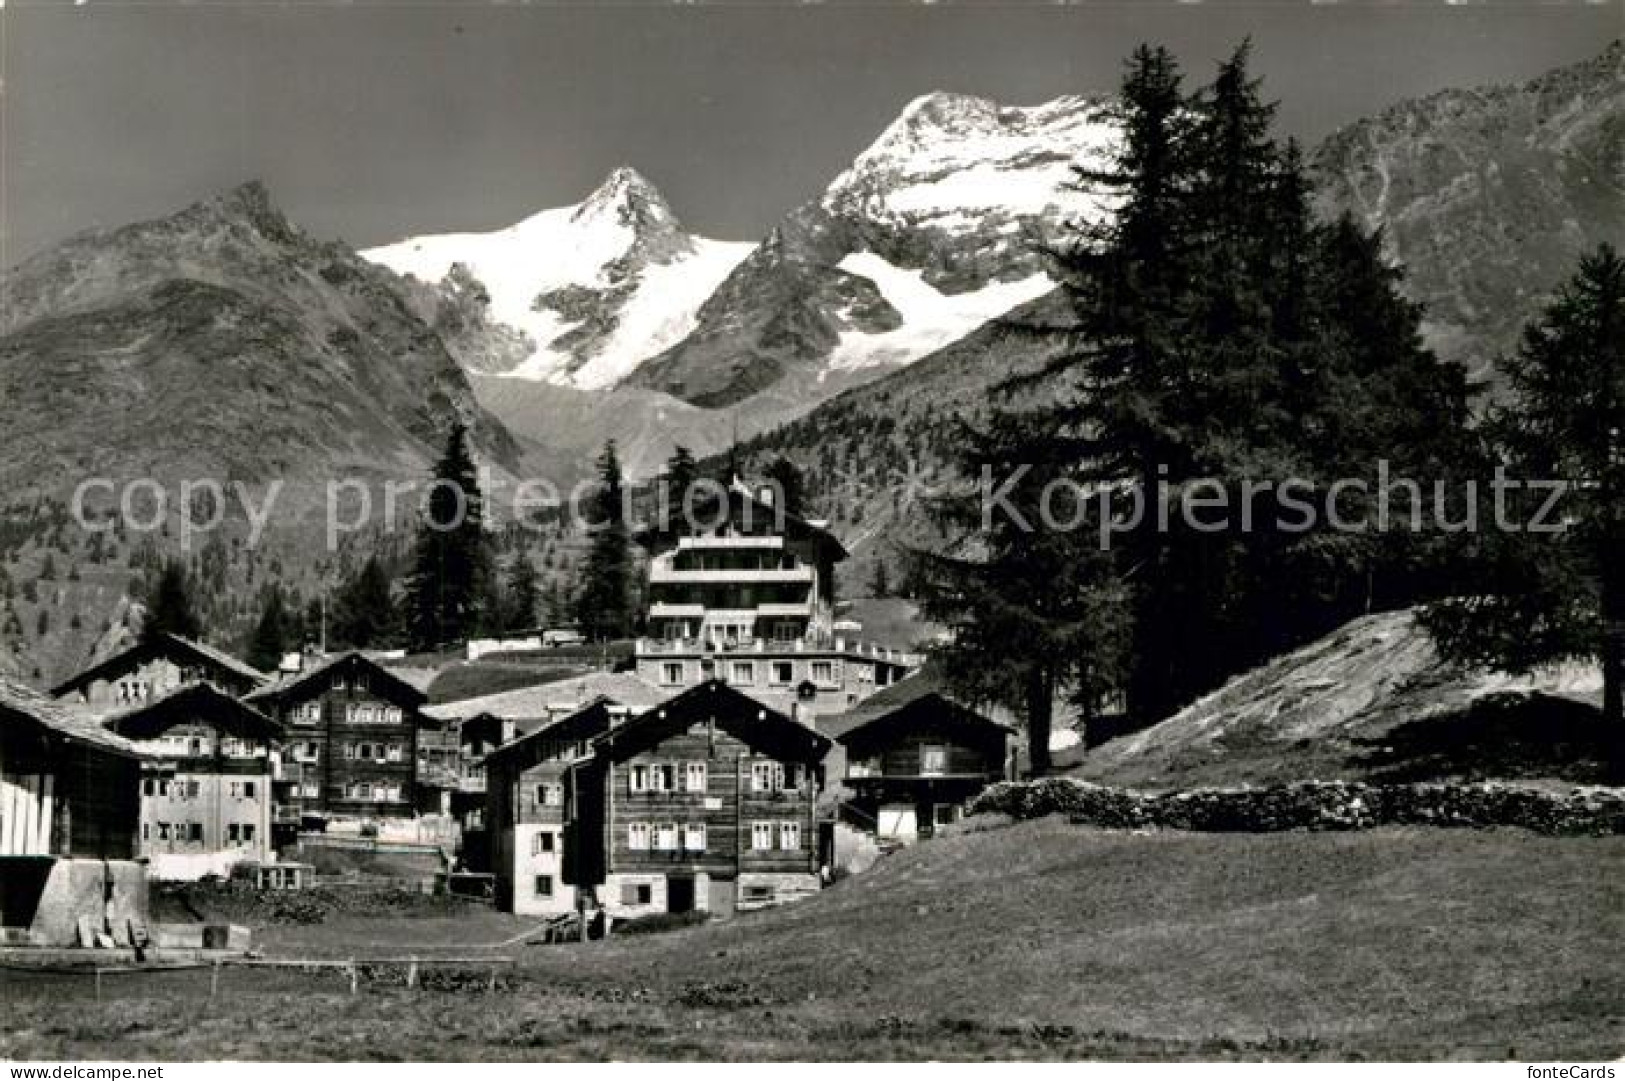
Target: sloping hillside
1370 701
219 343
1041 940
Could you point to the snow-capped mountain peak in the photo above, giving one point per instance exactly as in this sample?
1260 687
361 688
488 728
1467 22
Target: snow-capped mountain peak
589 290
951 162
627 199
930 232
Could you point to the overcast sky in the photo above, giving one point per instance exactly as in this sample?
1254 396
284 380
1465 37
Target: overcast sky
370 121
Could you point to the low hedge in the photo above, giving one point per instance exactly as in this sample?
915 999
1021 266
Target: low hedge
1313 805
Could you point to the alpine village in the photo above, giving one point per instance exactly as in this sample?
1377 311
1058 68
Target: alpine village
796 698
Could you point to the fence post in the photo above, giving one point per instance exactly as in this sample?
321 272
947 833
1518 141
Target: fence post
214 980
98 983
355 976
412 973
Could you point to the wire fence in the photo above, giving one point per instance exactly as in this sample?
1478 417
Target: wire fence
214 979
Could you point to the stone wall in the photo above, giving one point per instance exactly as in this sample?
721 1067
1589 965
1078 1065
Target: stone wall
60 892
1314 805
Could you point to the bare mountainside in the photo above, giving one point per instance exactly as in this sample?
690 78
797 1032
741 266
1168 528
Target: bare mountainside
220 343
1487 197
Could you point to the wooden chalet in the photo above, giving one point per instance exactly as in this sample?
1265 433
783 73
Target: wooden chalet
152 668
913 757
533 837
208 766
352 731
68 786
707 801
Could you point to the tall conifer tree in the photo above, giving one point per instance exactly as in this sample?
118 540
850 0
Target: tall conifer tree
450 566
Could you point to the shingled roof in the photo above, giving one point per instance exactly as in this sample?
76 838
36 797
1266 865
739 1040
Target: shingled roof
543 700
160 643
181 703
276 692
21 706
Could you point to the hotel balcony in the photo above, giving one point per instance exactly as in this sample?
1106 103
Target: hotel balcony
723 544
665 574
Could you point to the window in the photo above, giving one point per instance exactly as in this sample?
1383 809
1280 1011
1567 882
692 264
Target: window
671 672
694 777
637 836
163 831
638 779
249 790
790 836
933 760
194 789
694 837
194 746
766 777
163 787
823 673
393 753
544 885
742 673
231 833
147 787
663 777
549 794
666 838
146 831
783 672
759 894
761 836
637 893
541 843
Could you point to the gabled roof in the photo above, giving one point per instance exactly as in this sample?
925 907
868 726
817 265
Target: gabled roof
21 706
734 712
925 689
542 701
182 704
290 687
595 715
168 644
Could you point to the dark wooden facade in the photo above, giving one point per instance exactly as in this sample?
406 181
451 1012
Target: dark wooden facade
922 758
155 667
68 787
534 840
352 732
687 804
